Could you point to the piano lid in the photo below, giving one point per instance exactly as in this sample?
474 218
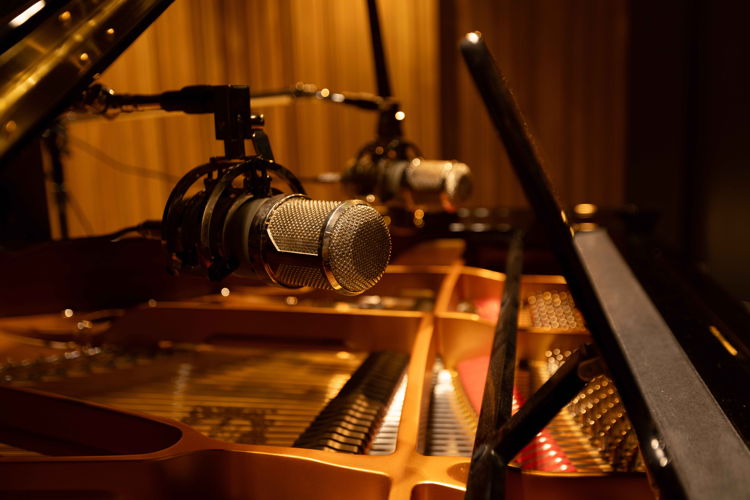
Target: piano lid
52 49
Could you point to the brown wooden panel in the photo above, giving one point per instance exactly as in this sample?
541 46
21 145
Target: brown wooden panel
267 44
566 63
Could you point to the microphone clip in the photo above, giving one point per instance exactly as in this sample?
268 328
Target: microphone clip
194 223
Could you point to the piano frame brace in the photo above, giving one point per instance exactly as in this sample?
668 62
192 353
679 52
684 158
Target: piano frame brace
689 445
486 477
687 434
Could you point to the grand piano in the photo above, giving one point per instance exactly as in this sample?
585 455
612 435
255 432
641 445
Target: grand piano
622 377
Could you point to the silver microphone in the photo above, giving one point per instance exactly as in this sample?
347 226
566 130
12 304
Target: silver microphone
430 184
293 241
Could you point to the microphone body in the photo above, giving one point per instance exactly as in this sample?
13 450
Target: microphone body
417 183
293 241
286 240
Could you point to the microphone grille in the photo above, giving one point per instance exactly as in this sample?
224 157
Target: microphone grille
449 177
360 247
348 242
295 226
295 276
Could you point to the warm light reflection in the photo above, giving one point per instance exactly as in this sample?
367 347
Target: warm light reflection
473 37
564 218
68 313
335 384
27 14
389 426
481 212
723 340
181 384
587 227
225 292
444 383
400 115
585 209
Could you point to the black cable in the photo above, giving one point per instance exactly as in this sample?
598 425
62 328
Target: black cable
118 165
148 229
87 227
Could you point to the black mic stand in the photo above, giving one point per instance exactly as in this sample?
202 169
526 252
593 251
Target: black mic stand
192 223
55 140
389 142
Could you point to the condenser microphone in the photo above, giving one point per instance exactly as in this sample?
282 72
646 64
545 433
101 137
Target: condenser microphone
294 241
430 184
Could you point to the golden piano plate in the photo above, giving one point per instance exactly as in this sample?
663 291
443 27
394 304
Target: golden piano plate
156 425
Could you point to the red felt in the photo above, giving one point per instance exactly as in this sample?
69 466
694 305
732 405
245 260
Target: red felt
542 453
488 309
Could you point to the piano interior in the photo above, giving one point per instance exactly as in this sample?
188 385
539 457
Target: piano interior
299 394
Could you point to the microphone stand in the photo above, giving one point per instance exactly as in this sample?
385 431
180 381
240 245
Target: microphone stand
234 123
55 140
